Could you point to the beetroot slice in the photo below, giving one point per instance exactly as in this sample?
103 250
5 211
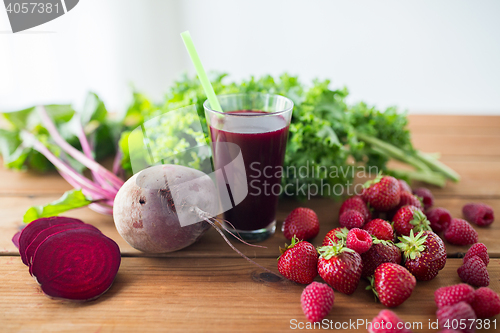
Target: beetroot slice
15 239
76 264
34 228
42 235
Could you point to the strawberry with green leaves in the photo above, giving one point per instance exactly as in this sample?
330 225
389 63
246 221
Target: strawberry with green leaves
340 267
392 284
382 193
406 199
424 253
298 261
334 236
408 218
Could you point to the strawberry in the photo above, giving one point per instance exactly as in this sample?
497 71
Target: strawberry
382 193
403 186
317 301
380 252
426 195
478 213
340 267
425 254
485 303
406 198
387 322
450 315
474 272
302 223
351 219
359 240
392 284
453 294
460 232
380 229
408 218
439 218
480 250
298 262
356 203
334 236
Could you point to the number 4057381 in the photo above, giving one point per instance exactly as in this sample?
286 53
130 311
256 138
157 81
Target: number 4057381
462 324
32 7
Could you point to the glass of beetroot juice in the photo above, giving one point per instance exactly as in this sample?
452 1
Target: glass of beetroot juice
258 125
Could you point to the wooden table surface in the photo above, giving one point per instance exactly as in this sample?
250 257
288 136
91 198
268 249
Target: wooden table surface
208 287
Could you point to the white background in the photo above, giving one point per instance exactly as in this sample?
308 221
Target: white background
432 56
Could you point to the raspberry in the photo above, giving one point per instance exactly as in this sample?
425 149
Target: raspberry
356 203
480 250
317 301
351 219
478 213
453 313
486 303
460 232
359 240
426 195
439 218
453 294
387 322
474 272
403 186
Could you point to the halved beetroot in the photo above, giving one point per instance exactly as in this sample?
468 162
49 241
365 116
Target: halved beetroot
42 235
76 264
34 228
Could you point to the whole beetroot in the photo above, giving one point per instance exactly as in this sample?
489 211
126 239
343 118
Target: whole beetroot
147 208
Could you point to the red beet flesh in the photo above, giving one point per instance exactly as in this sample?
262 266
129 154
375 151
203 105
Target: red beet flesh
34 228
76 264
55 229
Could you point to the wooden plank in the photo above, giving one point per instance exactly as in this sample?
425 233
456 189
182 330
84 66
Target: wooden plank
31 183
457 121
459 144
456 135
479 177
188 295
212 245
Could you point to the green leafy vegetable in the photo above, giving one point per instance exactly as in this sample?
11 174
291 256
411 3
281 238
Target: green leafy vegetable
327 137
70 200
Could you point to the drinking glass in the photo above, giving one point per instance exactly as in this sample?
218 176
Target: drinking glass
258 125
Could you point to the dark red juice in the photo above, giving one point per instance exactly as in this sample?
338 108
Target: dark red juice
262 140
